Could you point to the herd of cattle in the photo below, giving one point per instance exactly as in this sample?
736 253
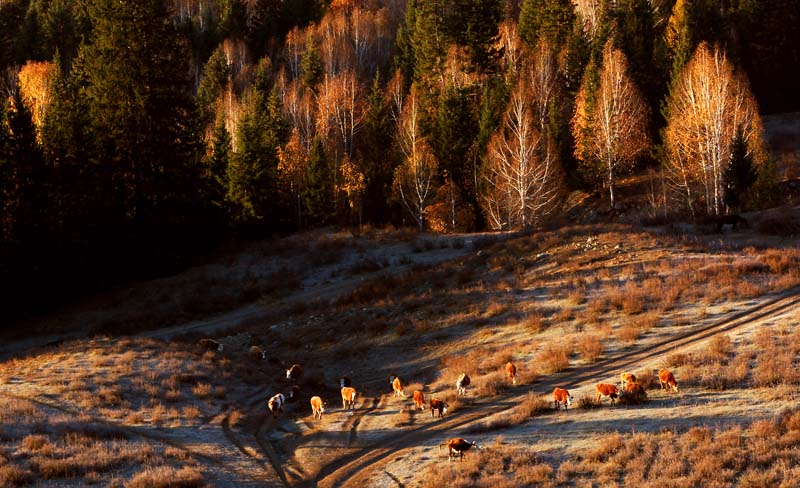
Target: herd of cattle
630 388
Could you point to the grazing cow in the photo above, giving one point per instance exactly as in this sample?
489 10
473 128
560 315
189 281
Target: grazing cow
626 378
457 446
295 373
349 397
211 345
317 407
511 371
345 381
561 396
462 383
397 386
419 400
635 392
667 380
257 353
275 404
604 390
294 394
733 220
438 405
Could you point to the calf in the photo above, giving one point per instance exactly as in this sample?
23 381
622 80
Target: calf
256 353
211 345
275 404
462 383
349 397
561 396
438 405
294 394
458 446
667 380
419 400
317 407
626 378
397 386
604 390
295 373
511 371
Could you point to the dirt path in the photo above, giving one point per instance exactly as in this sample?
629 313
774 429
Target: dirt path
353 469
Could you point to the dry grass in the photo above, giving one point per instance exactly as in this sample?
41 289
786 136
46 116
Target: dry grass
167 477
628 333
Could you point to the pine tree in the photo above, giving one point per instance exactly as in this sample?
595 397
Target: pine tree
378 163
455 130
549 20
741 173
213 83
12 15
138 92
216 164
311 64
474 24
252 173
318 193
404 58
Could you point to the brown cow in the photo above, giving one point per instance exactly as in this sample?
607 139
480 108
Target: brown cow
397 386
349 397
667 379
257 353
635 392
317 406
457 446
626 378
605 390
511 371
438 405
419 400
295 373
561 396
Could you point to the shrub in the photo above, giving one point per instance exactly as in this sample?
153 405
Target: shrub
628 333
13 475
591 348
554 357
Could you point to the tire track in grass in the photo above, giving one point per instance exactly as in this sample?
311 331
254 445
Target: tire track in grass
354 466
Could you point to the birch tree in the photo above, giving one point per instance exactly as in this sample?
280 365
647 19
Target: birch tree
614 133
414 177
522 176
709 103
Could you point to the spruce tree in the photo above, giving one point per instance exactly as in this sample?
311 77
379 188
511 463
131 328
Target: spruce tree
549 20
213 83
139 95
216 165
311 63
741 173
376 136
318 193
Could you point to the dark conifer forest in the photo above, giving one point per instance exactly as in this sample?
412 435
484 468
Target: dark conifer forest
137 136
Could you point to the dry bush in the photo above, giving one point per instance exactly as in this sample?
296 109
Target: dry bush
577 296
35 442
494 309
235 417
534 323
191 412
720 347
491 384
628 333
202 390
554 357
646 378
167 477
677 360
13 475
172 395
590 347
588 402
